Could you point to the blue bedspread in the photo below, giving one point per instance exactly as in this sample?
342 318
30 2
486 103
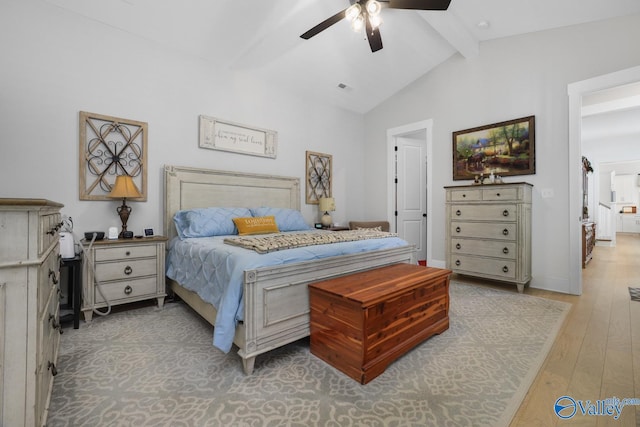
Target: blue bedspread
215 271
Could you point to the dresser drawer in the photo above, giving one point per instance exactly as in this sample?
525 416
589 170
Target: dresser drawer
465 195
502 269
484 212
125 252
48 328
490 248
134 289
48 229
48 278
127 269
483 230
499 193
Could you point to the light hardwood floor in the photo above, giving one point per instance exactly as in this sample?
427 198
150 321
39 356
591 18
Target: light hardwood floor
597 352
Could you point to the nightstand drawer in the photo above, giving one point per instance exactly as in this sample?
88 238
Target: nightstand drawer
115 291
126 269
125 252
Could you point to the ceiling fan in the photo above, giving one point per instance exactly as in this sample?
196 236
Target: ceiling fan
366 14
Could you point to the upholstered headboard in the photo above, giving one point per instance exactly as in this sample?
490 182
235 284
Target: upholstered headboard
189 188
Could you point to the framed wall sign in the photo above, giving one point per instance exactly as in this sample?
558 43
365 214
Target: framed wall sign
505 148
111 146
318 176
216 134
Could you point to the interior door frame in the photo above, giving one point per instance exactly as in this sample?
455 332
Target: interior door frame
392 134
576 91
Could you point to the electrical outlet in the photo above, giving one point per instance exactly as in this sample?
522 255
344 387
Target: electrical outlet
546 193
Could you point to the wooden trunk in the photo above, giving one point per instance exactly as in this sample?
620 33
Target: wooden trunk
362 322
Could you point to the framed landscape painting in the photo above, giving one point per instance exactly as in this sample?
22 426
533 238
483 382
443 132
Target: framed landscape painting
505 148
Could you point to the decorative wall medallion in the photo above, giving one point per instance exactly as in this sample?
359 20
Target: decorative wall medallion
318 176
110 146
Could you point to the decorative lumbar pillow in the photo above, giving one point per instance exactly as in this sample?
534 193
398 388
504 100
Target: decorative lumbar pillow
378 228
206 222
286 219
256 225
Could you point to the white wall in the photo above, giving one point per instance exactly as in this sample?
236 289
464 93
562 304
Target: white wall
511 78
55 63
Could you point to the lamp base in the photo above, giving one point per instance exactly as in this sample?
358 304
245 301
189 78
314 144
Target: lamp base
326 220
124 212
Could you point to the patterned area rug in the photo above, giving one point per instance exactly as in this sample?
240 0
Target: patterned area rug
634 293
150 367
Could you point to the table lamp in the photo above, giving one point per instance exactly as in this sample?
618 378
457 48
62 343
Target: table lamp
327 204
124 188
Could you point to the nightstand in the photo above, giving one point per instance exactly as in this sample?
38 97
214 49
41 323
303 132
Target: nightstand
128 270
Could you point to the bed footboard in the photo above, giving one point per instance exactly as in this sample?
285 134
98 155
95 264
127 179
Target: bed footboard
276 299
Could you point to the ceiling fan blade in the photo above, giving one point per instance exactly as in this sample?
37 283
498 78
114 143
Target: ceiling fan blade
420 4
324 25
373 35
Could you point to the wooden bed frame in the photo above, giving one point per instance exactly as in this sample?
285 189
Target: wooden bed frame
276 299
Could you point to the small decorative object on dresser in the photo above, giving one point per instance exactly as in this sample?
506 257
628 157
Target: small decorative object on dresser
488 231
128 270
29 308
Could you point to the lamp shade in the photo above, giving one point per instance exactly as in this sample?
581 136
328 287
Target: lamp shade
327 204
124 188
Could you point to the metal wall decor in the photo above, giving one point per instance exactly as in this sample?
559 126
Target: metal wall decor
318 176
111 146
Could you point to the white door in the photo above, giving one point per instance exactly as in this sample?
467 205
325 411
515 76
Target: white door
411 192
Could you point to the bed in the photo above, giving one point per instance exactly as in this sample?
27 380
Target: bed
275 309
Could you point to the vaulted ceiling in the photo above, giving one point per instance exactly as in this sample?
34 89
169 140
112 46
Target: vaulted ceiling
261 37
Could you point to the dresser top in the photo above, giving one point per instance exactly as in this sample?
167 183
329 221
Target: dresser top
29 202
488 185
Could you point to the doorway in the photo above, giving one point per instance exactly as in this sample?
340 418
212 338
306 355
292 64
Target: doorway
409 185
576 92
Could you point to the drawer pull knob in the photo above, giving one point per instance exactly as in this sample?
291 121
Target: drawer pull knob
128 289
458 229
52 368
458 262
505 250
505 213
458 212
128 270
505 232
464 195
505 269
128 253
54 279
497 194
458 246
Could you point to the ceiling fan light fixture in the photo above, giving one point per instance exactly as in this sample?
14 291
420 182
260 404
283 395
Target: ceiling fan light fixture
373 8
375 21
358 23
353 12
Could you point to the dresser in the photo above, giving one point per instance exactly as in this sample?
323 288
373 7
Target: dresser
488 231
29 304
128 270
588 241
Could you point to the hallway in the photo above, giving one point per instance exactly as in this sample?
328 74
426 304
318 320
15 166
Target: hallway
597 353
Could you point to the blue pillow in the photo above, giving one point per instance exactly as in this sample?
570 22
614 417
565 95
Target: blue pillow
206 222
286 219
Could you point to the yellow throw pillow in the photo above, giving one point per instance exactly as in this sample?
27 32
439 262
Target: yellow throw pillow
256 225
